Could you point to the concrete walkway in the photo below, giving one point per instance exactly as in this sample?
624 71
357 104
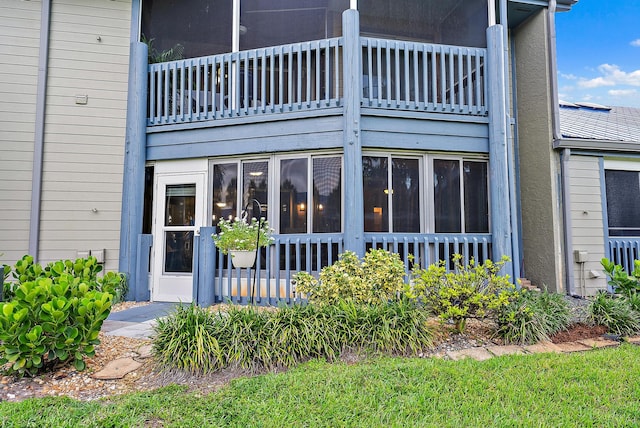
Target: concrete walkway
136 322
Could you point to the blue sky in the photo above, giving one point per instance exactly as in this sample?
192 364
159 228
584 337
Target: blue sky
598 44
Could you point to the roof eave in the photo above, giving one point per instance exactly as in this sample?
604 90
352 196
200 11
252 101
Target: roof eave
593 144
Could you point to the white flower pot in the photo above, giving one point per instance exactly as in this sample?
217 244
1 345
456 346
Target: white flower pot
243 258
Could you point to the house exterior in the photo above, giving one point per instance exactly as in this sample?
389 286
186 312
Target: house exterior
63 86
353 124
600 166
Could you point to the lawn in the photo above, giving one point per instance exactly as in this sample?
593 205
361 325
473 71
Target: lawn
597 388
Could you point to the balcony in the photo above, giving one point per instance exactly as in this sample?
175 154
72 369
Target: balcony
310 76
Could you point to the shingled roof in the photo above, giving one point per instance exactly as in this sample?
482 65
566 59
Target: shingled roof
586 121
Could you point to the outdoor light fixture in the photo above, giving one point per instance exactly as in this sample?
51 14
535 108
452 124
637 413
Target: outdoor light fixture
255 173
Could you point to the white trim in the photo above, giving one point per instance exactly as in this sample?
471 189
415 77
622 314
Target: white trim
622 165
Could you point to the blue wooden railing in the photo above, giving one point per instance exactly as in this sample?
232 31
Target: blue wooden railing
623 251
295 77
216 280
423 76
309 76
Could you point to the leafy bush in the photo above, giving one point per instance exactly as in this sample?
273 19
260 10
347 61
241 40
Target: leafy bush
51 321
621 282
86 270
532 316
195 340
614 313
470 291
379 277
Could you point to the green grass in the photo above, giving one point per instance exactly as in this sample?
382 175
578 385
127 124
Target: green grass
597 388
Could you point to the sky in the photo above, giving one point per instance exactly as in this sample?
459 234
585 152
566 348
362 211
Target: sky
598 46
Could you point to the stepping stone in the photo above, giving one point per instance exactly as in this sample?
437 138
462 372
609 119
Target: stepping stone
144 351
478 354
598 343
499 351
635 340
572 347
117 369
543 347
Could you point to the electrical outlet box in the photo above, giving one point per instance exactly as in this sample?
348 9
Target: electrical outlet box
580 256
99 255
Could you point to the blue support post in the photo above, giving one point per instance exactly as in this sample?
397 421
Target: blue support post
352 78
499 183
145 242
206 268
134 162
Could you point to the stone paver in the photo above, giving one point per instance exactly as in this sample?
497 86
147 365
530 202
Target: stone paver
499 351
144 351
117 369
478 354
543 347
635 340
572 347
598 343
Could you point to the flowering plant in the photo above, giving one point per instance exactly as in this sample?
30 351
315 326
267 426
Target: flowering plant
240 235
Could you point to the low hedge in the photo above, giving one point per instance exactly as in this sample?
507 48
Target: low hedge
196 340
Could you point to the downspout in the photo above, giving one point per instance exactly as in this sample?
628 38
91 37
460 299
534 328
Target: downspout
38 143
557 136
511 174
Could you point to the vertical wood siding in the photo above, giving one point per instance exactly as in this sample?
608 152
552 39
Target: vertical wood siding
19 40
587 221
84 143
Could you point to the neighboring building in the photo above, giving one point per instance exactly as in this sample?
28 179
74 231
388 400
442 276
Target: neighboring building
63 86
600 151
392 124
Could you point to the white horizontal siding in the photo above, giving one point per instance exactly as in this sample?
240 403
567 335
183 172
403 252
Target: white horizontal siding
84 144
587 232
19 53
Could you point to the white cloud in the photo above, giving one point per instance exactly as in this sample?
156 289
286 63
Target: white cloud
623 92
612 75
569 76
635 43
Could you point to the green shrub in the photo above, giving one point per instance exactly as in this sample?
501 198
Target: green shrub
634 301
532 316
51 321
614 313
621 282
470 291
195 340
379 277
86 270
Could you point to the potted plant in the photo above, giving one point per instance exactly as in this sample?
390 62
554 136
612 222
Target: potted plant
242 239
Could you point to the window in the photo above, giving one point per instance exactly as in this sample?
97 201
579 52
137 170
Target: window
623 202
460 196
391 194
180 200
302 211
309 197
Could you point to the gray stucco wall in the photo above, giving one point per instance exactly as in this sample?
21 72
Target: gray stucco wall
539 164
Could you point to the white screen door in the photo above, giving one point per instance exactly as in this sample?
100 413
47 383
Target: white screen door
179 215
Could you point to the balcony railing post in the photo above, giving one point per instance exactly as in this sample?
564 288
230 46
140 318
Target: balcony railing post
352 78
